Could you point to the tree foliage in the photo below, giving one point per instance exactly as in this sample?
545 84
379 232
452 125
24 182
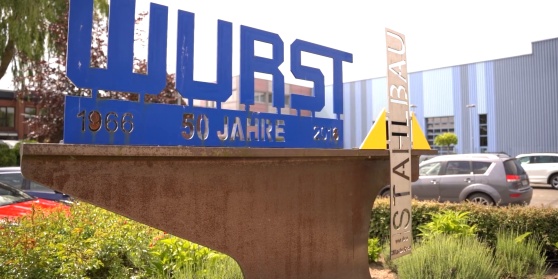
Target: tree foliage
44 81
445 139
26 31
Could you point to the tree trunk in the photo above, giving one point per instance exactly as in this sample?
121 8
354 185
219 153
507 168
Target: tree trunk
7 56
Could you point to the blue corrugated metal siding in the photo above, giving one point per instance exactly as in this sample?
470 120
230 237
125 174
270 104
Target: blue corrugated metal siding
458 108
379 96
526 98
369 116
471 114
348 115
519 95
359 95
480 86
327 112
417 96
437 86
491 108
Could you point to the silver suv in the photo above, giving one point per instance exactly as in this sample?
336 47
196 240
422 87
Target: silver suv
483 178
541 167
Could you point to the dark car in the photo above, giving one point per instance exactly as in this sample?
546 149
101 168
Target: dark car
15 203
483 178
12 176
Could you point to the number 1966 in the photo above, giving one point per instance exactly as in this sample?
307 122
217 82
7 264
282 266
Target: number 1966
94 121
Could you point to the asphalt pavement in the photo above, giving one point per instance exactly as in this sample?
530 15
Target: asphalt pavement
544 195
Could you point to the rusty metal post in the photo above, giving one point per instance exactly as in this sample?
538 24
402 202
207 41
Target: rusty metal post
280 213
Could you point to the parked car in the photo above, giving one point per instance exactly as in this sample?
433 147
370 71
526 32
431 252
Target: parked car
541 167
13 177
490 179
15 203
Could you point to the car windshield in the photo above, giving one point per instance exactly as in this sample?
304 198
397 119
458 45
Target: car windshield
9 196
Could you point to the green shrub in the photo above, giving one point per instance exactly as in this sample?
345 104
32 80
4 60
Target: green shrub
90 243
173 257
447 222
8 157
488 220
445 256
519 256
16 149
95 243
374 250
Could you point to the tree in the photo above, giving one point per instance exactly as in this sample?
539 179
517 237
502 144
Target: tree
45 82
25 27
445 139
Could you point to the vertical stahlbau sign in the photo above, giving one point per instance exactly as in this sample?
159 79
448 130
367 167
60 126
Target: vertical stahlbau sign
399 140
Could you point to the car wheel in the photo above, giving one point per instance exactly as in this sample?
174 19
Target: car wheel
554 181
480 199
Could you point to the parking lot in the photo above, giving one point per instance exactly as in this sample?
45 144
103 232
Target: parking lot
544 195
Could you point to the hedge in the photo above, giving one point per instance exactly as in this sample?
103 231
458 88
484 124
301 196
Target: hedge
541 221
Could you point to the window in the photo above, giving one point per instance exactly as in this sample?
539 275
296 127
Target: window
7 118
38 187
458 167
430 169
30 111
513 167
483 132
259 97
13 179
480 167
545 159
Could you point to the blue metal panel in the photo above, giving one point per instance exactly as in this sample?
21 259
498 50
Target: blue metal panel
525 97
327 112
438 88
480 87
379 95
458 108
350 116
370 100
359 112
471 93
417 96
490 107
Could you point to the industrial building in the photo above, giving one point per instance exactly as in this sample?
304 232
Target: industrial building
507 105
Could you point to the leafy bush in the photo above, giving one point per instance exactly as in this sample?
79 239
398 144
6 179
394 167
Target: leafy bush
488 220
90 243
447 222
8 157
446 256
94 243
173 257
374 250
16 149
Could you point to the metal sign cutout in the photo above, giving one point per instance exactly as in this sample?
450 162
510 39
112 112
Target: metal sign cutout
89 120
399 139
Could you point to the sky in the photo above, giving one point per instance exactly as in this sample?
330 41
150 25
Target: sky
438 33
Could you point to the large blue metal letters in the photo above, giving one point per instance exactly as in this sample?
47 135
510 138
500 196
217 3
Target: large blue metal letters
89 120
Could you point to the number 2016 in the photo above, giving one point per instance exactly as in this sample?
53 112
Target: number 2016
94 121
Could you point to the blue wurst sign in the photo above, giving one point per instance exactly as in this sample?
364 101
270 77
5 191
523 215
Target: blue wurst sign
89 120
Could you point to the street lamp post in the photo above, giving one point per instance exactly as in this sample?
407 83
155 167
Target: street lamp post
471 107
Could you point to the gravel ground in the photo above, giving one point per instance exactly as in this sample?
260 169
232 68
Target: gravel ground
377 271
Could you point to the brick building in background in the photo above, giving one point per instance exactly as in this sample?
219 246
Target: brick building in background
13 114
262 97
